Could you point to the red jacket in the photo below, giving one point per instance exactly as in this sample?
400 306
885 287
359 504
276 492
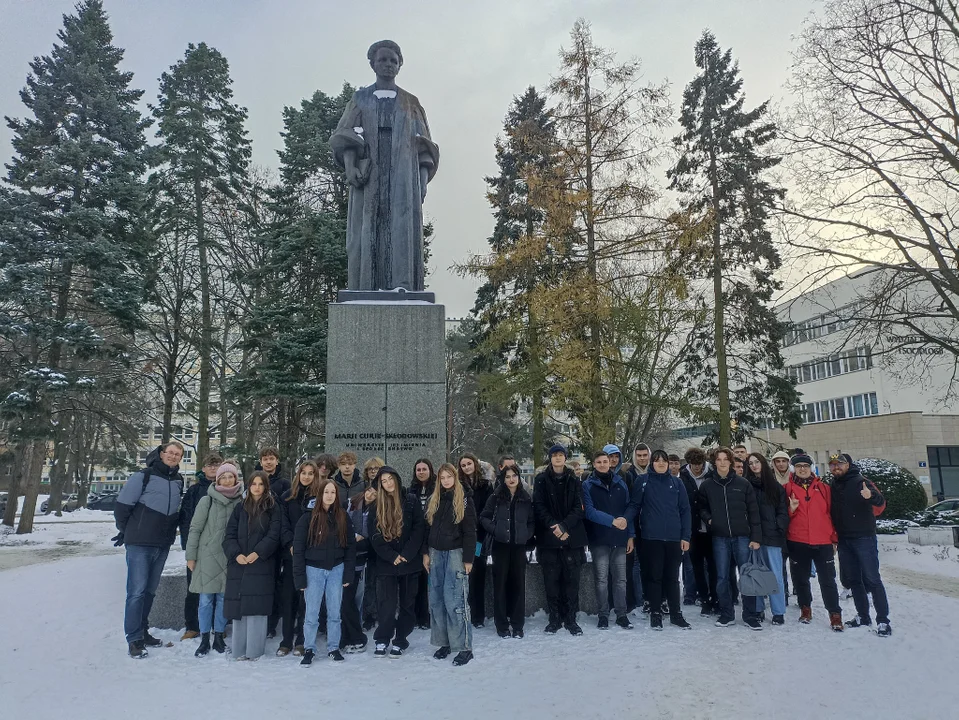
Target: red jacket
811 523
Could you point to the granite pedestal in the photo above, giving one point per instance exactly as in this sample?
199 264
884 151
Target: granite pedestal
386 382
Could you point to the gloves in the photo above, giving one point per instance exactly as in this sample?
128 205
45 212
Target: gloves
117 539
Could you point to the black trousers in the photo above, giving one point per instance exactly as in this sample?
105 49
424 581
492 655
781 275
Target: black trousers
422 605
351 627
561 571
395 592
369 594
191 606
704 567
661 562
509 586
276 613
477 593
801 558
292 606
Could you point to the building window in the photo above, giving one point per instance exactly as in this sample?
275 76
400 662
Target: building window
838 364
841 408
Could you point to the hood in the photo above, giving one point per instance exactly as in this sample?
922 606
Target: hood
158 467
707 468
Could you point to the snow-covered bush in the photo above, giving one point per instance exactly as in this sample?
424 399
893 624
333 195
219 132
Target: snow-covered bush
903 492
927 518
893 527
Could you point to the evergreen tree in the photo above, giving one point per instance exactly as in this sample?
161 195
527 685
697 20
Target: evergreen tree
720 176
72 245
204 150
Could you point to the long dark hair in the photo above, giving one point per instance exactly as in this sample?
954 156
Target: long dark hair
766 477
502 492
319 521
254 508
479 477
425 461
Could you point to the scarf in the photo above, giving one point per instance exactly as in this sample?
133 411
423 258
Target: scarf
230 492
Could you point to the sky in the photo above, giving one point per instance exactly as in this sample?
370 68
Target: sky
464 61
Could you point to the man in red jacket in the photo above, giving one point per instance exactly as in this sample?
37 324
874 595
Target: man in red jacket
811 538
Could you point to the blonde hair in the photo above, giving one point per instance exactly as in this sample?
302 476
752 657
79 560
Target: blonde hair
372 463
459 496
389 509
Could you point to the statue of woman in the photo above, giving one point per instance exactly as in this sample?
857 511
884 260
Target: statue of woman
383 143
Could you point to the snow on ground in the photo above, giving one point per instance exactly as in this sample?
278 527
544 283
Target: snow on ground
67 654
896 551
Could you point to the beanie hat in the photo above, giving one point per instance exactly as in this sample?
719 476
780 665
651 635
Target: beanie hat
802 458
781 454
847 457
228 468
610 449
557 448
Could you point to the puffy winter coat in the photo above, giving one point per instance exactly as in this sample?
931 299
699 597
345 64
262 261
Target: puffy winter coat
205 543
774 517
481 494
852 514
325 555
347 492
558 499
811 522
147 510
249 588
602 504
447 534
191 498
279 481
729 508
663 506
409 544
509 519
292 509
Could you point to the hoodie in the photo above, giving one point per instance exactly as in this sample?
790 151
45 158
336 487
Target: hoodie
782 478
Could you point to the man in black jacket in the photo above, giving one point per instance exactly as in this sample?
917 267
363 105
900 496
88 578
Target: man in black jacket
279 486
701 543
147 512
191 499
728 506
853 500
560 539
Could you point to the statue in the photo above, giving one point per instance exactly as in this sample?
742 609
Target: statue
383 144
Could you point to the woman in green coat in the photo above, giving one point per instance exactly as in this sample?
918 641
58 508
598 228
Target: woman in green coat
205 556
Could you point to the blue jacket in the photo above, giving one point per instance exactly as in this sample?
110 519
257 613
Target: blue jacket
147 510
663 505
602 505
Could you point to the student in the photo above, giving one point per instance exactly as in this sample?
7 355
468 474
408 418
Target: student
348 479
451 546
370 468
251 543
638 467
853 500
326 466
810 539
775 521
396 531
608 518
191 498
689 580
740 452
666 524
560 539
728 506
781 467
297 502
700 545
279 486
205 557
739 466
422 488
476 483
324 560
508 519
352 637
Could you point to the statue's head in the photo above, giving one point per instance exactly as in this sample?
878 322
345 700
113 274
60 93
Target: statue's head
385 58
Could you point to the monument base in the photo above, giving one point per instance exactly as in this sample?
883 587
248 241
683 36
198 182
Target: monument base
386 382
385 296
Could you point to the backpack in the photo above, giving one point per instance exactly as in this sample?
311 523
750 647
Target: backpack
877 510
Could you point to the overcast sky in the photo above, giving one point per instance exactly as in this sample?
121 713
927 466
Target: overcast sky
465 62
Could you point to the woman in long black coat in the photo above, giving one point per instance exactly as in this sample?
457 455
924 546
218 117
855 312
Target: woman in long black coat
251 543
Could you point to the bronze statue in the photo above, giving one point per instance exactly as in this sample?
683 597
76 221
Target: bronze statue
383 143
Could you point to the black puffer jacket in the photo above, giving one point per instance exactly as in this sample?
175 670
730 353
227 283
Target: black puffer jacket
191 499
446 534
481 494
292 510
509 519
729 508
249 588
773 517
147 509
279 481
558 499
852 514
422 492
326 555
409 544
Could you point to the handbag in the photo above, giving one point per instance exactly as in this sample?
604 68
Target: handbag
756 579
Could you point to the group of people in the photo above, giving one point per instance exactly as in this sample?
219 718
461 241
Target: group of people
342 551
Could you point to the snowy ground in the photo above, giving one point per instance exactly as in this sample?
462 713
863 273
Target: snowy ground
67 654
896 551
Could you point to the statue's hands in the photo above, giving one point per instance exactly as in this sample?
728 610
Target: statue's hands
355 176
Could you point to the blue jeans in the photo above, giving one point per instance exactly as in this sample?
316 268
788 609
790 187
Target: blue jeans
144 568
689 580
210 619
449 610
777 602
322 583
727 551
606 559
859 558
360 588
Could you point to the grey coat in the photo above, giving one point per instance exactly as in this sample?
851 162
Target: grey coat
205 541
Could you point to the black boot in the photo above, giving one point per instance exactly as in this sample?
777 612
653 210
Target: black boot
204 645
219 644
150 641
463 657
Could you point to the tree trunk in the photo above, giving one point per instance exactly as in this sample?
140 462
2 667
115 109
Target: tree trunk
206 331
221 381
33 469
722 371
58 472
13 494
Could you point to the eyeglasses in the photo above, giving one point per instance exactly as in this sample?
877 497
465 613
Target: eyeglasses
803 466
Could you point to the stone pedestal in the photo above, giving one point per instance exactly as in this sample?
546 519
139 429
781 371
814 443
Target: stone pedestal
386 382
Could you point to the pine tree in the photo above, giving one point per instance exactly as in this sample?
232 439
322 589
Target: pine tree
204 150
72 250
720 176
